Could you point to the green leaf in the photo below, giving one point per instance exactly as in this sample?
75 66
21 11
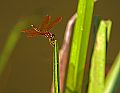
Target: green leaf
97 70
113 77
109 25
98 60
10 44
79 46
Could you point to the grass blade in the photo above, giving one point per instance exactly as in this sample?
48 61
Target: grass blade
113 77
79 46
97 70
10 44
109 25
56 69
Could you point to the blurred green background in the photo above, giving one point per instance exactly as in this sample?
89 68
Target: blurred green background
29 69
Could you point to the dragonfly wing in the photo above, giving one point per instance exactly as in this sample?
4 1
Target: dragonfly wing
30 32
34 33
53 23
44 23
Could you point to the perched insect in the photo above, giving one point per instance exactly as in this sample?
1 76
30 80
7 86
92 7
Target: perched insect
43 29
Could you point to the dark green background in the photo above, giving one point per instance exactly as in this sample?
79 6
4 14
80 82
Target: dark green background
29 69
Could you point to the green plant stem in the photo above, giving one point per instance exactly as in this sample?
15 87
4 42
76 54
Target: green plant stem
56 69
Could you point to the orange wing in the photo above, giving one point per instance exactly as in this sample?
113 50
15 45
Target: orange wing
33 33
44 23
43 29
53 23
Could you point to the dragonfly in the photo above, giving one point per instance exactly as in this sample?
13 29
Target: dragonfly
43 29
